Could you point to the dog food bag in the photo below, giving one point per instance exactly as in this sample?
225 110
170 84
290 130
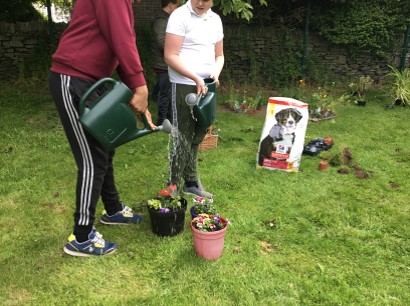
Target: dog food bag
283 134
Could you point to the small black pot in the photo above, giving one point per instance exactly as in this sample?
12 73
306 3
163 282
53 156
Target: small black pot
168 224
398 102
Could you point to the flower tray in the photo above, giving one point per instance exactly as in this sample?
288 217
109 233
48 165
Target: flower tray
317 145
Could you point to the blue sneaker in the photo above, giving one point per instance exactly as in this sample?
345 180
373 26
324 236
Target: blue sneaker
95 246
125 216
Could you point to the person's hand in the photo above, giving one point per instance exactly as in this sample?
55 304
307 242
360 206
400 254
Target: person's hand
149 120
216 79
200 86
139 101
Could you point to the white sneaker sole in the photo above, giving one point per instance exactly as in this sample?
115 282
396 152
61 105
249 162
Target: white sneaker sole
80 254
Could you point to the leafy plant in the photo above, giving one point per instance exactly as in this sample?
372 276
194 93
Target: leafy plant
209 223
233 98
165 202
201 206
361 87
322 103
240 8
364 25
400 86
253 102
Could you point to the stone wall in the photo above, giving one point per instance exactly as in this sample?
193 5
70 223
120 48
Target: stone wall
248 50
259 48
18 43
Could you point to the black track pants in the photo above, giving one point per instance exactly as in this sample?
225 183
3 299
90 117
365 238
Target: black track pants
95 175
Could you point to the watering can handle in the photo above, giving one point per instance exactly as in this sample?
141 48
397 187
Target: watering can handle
94 87
199 97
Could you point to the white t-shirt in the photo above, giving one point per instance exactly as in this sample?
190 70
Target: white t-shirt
201 33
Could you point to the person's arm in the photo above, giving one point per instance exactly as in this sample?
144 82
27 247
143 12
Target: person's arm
219 61
115 19
158 29
173 44
116 22
139 101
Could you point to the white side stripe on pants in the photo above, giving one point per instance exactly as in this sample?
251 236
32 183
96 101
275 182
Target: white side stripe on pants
88 169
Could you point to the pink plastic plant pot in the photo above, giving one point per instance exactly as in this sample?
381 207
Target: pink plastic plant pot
209 245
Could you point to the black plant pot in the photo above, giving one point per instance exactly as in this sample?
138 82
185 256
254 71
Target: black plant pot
361 103
168 224
398 102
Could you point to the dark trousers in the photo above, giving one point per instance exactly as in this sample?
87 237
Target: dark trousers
164 97
95 175
186 137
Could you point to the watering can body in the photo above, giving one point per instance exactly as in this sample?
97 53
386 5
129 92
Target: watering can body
205 108
109 119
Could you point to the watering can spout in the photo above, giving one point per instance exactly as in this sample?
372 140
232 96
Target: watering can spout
203 107
166 126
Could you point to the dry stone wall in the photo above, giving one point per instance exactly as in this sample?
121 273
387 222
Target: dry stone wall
248 50
17 43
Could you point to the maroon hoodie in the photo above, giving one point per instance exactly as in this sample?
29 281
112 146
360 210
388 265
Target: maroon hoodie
99 39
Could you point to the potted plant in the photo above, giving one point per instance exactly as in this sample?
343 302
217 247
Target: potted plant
360 88
209 235
400 85
167 214
202 206
321 107
250 104
244 105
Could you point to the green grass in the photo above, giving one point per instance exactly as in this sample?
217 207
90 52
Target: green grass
303 238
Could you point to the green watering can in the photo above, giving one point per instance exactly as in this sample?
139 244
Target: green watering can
204 107
110 120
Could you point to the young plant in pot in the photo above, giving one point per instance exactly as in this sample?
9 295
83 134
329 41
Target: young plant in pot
360 88
167 214
400 85
202 206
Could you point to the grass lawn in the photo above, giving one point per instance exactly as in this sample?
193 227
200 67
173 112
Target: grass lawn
307 238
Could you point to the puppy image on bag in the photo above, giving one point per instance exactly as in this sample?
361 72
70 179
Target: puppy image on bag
282 140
